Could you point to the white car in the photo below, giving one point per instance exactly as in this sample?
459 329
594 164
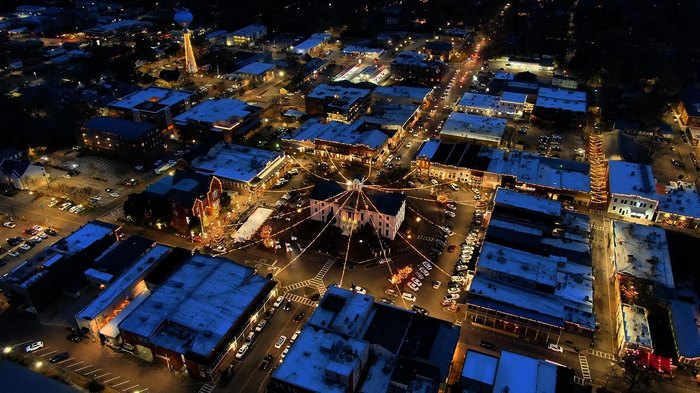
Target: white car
260 326
278 302
454 186
451 296
9 224
409 144
25 247
114 194
416 281
391 292
53 202
433 182
241 351
97 197
79 209
280 342
408 296
384 260
458 279
436 284
65 206
427 265
35 346
451 206
74 208
360 290
461 268
424 271
284 353
555 348
413 286
450 213
453 290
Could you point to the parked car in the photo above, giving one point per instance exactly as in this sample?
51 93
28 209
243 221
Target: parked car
241 351
386 300
487 345
453 290
555 348
424 271
278 302
436 284
408 296
447 303
280 341
9 224
419 310
73 337
35 346
427 265
260 326
360 290
391 292
413 286
416 281
451 296
60 357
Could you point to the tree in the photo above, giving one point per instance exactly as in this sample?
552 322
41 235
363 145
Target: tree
225 199
94 386
634 376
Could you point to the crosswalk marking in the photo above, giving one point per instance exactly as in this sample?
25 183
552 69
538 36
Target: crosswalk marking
580 381
300 299
602 354
584 367
206 388
297 285
425 238
326 267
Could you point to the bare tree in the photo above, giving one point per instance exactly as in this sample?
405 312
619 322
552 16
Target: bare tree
634 376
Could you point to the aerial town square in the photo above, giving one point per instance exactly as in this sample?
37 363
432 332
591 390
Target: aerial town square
359 196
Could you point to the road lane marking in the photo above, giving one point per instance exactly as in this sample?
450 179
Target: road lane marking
83 368
129 388
121 383
111 379
75 364
48 353
100 376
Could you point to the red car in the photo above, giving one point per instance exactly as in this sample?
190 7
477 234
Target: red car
451 248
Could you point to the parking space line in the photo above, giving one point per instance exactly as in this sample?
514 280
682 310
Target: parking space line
48 353
120 383
42 349
100 376
111 379
129 388
63 361
75 364
143 390
83 368
22 343
93 371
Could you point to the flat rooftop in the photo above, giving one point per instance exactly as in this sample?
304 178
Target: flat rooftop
627 178
519 200
345 95
250 30
636 325
152 99
549 172
683 201
524 374
481 128
136 272
642 251
349 49
538 269
478 100
410 58
223 113
685 320
480 367
84 237
516 98
194 310
256 68
121 127
239 163
348 134
415 93
565 99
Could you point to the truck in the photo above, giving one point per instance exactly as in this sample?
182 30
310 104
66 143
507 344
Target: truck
163 168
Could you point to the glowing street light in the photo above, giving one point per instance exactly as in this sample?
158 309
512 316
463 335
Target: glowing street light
7 350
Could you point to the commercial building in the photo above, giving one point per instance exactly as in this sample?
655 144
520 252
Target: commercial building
688 107
439 50
416 67
221 119
562 106
351 344
464 127
312 45
246 36
338 140
512 372
120 139
337 103
242 168
40 280
331 201
191 199
633 330
632 190
641 251
565 81
195 321
393 119
533 277
22 175
507 105
119 297
404 95
256 72
363 52
680 205
115 259
684 315
155 105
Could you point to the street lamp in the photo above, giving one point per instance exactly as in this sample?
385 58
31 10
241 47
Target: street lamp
7 350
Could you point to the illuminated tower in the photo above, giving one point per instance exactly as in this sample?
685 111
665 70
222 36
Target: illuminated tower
184 18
